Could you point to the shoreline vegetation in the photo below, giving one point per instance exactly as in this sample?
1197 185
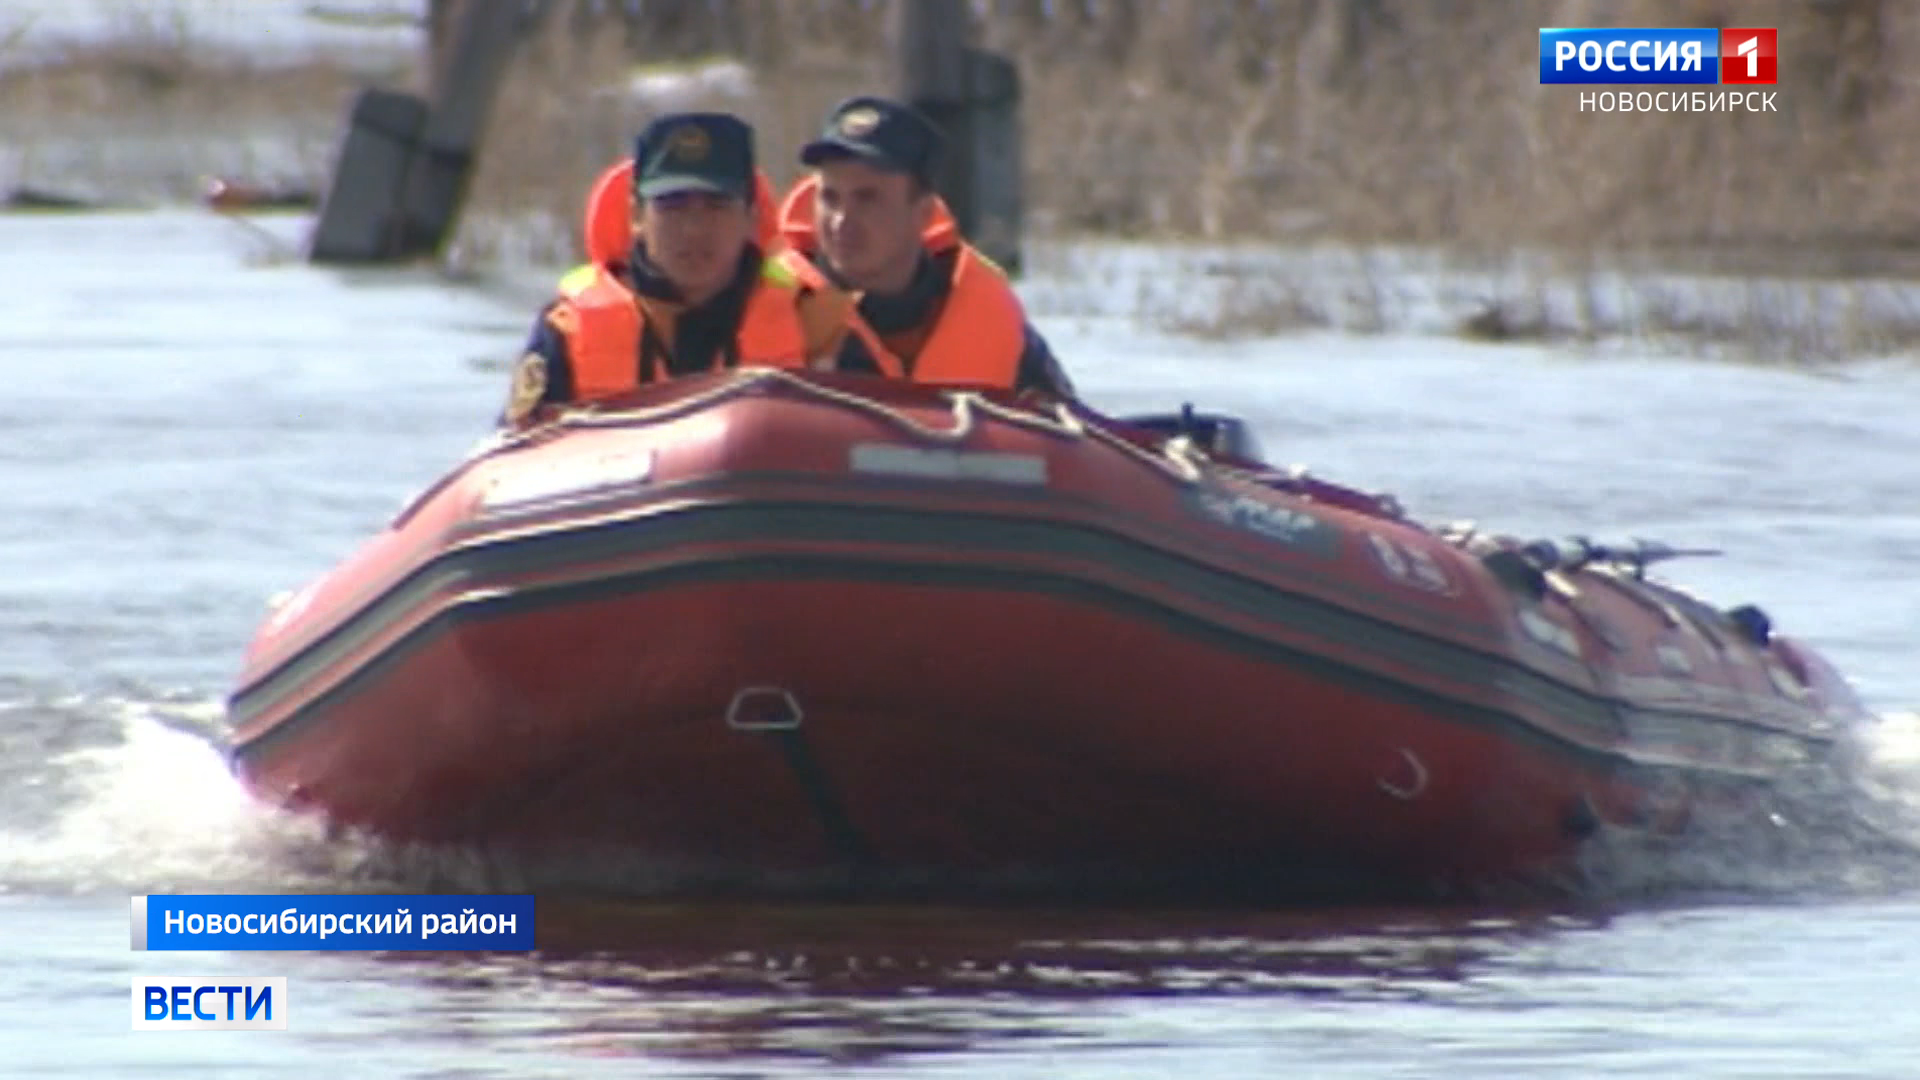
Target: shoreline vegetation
1368 165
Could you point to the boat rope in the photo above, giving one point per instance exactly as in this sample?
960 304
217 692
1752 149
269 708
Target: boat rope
1178 457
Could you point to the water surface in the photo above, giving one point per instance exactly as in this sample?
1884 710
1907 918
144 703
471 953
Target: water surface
191 429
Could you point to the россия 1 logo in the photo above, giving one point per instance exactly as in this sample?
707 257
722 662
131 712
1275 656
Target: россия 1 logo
1647 56
1750 56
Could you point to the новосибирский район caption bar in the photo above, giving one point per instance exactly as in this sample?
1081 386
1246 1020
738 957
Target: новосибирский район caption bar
339 923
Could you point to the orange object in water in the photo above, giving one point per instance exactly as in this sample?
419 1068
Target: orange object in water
219 193
609 218
796 222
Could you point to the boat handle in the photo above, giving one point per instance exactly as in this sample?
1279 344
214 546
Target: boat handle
748 712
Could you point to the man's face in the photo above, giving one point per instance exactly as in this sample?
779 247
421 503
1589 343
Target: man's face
869 221
695 238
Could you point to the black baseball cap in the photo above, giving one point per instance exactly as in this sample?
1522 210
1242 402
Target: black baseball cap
885 134
694 152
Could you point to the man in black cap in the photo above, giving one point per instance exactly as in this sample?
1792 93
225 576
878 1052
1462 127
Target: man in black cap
695 293
868 216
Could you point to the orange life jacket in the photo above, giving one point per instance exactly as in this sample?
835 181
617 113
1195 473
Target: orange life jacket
981 330
604 323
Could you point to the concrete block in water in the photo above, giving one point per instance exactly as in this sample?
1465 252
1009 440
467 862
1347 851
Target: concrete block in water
361 218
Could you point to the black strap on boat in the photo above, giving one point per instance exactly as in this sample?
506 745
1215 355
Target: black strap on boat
841 833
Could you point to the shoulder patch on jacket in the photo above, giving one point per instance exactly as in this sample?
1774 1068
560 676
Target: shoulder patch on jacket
529 387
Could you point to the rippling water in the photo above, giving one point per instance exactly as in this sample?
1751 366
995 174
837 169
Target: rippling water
190 430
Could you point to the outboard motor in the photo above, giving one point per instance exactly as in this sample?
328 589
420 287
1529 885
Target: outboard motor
1216 433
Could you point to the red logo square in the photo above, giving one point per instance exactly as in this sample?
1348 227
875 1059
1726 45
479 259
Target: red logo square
1750 56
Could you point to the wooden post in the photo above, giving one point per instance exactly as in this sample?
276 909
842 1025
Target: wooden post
930 45
443 21
405 163
974 97
483 46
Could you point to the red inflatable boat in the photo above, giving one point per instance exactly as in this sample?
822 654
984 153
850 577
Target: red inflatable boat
777 630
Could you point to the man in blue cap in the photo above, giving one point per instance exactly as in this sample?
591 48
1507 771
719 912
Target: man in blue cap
931 307
695 294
